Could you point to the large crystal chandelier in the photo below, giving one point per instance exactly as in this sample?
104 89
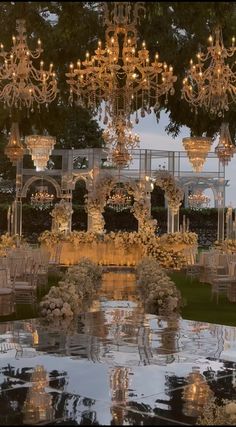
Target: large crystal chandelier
198 200
197 149
21 84
211 82
42 199
14 149
225 149
40 148
119 79
119 200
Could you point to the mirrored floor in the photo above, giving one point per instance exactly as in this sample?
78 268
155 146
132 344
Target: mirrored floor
116 365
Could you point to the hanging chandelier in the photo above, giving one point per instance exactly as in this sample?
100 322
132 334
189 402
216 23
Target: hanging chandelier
40 148
211 82
42 199
197 149
196 394
21 84
225 149
119 79
198 200
120 140
14 149
120 200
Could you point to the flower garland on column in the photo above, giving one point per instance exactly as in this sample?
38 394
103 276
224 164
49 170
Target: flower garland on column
141 211
173 193
95 201
62 214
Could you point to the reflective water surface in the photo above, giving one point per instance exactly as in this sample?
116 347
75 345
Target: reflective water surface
116 365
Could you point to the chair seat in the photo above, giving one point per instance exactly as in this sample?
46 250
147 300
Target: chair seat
6 291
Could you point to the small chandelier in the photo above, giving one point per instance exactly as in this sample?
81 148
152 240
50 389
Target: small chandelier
197 150
118 79
212 87
196 394
42 200
14 149
225 149
120 156
22 85
198 200
40 148
119 201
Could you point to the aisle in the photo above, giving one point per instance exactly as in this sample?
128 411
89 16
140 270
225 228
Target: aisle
119 366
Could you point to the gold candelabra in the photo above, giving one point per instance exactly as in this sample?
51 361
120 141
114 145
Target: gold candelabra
119 79
22 85
211 82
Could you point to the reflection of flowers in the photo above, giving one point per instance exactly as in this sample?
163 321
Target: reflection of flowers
158 290
215 414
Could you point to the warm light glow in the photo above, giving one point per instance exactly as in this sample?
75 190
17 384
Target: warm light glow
211 83
197 149
14 149
225 149
22 85
40 147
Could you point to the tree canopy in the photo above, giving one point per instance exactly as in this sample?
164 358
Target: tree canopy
68 29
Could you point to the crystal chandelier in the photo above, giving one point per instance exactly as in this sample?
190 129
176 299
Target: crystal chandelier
40 148
14 149
196 394
197 150
198 200
119 79
211 82
120 200
225 149
42 199
120 139
21 84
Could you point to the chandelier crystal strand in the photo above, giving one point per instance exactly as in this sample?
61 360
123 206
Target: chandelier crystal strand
40 148
211 82
225 149
14 149
197 149
198 200
119 79
21 84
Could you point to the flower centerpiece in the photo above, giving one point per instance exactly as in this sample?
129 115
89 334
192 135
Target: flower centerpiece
159 292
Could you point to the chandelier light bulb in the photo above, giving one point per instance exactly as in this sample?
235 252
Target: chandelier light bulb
18 75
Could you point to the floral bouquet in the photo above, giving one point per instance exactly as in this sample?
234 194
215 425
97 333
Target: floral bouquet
61 301
51 238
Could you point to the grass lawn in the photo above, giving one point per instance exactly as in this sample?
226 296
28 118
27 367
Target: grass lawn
199 305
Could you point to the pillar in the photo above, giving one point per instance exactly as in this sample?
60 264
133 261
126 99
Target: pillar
172 221
16 217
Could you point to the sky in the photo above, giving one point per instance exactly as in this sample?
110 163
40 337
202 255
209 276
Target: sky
153 136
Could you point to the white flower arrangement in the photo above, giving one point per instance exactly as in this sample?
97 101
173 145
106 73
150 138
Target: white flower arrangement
215 414
61 213
80 283
159 292
51 238
7 242
173 192
227 246
187 238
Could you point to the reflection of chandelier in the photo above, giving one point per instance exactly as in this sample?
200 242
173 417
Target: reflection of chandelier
196 394
22 85
40 147
120 200
38 404
42 200
212 87
225 148
197 149
14 149
119 78
198 200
